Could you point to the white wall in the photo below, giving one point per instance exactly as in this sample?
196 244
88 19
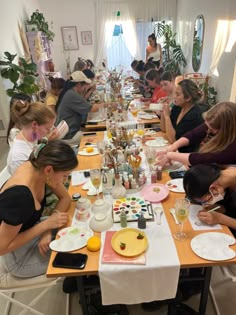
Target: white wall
11 12
77 13
212 11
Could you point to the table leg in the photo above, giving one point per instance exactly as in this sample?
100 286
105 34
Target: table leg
205 290
81 289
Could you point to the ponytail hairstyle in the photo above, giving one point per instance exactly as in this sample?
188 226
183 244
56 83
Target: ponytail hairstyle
17 97
198 179
24 113
140 66
153 37
55 153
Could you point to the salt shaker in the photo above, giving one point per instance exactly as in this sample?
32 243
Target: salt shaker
141 222
123 219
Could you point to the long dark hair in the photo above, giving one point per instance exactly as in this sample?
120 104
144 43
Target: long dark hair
198 179
67 86
55 153
153 37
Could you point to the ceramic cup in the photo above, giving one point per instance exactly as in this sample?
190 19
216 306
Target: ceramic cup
82 214
83 203
100 205
101 222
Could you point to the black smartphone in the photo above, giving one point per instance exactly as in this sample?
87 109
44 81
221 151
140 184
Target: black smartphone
177 174
86 174
69 260
91 123
90 134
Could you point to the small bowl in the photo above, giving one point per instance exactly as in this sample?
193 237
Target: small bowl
100 222
100 205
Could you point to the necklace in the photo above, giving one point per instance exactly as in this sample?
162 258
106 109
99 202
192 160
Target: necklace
30 144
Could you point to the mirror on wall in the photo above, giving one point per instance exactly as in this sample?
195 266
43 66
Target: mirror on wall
198 38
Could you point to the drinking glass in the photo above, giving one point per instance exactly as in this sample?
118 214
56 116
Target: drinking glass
102 145
182 212
95 176
140 130
150 154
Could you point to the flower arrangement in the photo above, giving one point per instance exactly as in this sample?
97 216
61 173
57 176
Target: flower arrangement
114 79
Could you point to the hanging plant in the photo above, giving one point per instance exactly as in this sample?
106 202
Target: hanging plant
38 19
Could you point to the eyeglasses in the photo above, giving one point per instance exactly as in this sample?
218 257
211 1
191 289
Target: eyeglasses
205 202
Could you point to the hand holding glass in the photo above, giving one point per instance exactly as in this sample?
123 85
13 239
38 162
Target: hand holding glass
182 207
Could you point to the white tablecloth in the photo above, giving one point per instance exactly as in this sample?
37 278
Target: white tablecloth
157 280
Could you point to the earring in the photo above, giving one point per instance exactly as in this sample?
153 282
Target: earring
48 181
34 135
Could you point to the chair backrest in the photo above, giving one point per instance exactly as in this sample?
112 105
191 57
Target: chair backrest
4 175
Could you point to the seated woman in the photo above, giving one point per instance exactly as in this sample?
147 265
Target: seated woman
185 114
152 77
210 184
14 127
57 85
24 238
36 121
216 139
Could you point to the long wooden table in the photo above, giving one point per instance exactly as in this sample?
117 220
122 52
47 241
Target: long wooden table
187 258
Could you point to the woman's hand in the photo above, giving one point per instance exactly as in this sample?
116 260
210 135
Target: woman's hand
44 242
163 160
210 218
166 109
57 220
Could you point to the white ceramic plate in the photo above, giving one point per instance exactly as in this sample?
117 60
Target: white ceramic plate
71 238
176 185
147 117
84 152
95 120
213 246
156 106
158 142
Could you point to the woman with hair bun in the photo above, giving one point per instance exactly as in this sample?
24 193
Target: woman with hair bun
57 85
154 51
36 121
25 238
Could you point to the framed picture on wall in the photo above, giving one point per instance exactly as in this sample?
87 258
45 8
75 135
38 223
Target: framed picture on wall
70 38
86 37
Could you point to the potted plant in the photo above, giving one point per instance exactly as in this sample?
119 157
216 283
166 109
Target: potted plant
22 75
173 57
38 23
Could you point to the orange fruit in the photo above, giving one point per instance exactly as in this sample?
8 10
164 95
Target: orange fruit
93 243
89 150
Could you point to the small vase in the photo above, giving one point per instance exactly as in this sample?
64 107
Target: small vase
118 190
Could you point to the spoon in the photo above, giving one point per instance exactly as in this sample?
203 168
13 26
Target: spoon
172 211
158 212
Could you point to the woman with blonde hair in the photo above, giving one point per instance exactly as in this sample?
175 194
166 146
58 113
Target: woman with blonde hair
216 139
36 121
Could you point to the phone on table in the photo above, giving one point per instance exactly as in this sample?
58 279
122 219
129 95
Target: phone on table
89 134
69 260
177 174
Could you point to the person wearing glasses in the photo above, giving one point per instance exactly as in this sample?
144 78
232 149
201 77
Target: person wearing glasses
214 184
215 139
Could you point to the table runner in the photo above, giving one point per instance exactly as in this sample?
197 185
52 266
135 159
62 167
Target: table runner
157 280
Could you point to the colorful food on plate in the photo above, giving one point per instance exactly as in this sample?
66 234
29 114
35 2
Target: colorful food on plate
89 150
122 246
140 236
94 244
156 189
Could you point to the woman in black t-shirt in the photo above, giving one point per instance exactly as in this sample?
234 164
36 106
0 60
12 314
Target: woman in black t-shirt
24 238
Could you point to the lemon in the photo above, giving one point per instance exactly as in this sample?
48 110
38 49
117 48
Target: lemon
94 243
89 150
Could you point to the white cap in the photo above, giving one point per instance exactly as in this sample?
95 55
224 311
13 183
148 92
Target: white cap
79 76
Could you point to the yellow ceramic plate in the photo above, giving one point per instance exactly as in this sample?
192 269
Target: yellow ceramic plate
133 246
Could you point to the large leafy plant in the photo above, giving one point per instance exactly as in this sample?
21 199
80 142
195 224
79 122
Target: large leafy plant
22 75
173 56
38 19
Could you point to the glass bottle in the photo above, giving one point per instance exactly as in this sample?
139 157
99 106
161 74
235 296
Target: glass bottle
141 222
154 177
118 190
123 219
159 173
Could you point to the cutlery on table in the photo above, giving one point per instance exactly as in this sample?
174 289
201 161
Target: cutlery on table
172 211
158 211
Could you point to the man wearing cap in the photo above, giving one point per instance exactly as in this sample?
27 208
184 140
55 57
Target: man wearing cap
74 105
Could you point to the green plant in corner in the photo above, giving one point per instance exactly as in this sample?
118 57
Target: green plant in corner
173 56
22 75
38 19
